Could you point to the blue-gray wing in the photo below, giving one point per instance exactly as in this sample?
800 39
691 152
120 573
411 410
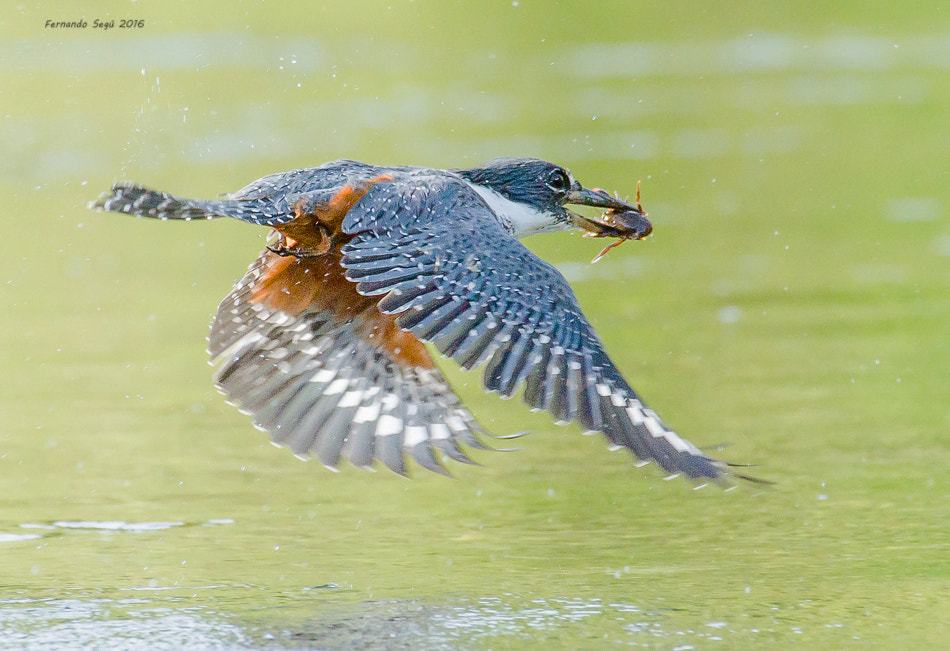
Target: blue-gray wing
443 263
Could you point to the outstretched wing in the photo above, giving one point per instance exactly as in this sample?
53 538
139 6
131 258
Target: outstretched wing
442 262
328 375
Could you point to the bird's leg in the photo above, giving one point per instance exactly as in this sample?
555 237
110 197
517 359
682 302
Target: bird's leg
287 247
277 244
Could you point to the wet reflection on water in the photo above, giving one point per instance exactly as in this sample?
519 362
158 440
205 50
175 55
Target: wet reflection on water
118 526
105 623
172 622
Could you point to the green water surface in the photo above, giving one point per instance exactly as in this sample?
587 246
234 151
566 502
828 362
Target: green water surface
792 308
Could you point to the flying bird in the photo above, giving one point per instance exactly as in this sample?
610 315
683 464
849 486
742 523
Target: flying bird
323 338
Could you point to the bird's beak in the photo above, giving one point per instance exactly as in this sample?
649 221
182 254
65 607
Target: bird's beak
622 220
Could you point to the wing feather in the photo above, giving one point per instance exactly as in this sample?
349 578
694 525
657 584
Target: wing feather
451 273
321 379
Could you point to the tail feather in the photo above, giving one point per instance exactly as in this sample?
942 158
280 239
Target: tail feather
137 200
140 201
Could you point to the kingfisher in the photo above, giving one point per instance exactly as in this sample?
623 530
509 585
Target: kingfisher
323 340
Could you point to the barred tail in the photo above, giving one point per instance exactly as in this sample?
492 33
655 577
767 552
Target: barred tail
140 201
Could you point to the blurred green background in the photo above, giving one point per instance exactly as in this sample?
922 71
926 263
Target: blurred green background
792 305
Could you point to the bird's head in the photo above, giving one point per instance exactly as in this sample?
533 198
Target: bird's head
532 196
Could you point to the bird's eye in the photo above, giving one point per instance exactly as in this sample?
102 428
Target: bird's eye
559 181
